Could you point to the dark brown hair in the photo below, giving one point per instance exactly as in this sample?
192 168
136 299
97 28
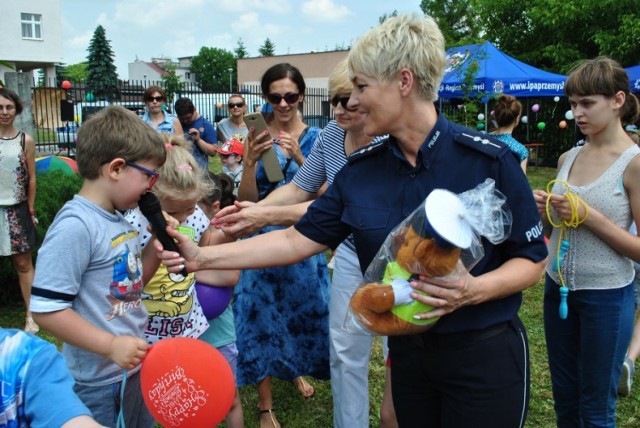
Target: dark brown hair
148 93
11 95
603 76
279 72
506 110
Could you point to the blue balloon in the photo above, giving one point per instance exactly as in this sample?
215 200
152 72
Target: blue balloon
484 100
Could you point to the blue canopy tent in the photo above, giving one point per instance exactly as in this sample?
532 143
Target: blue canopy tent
498 73
634 78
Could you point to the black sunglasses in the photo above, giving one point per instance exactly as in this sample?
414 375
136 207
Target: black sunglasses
236 105
289 98
342 100
157 99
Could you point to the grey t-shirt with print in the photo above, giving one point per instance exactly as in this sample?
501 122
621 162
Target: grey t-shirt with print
90 261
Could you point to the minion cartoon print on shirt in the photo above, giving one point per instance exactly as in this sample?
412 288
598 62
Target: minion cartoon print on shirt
171 302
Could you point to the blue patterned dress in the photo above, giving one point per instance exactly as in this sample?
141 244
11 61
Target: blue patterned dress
282 314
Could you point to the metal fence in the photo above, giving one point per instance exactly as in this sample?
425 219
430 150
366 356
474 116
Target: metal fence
58 113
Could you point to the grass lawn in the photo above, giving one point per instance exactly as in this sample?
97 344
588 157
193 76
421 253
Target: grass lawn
294 411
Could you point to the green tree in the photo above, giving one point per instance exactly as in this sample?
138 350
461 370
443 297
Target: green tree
102 78
8 65
211 67
267 48
386 16
171 81
456 19
76 73
555 34
241 50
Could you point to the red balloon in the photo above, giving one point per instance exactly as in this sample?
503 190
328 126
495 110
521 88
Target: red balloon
186 383
214 300
66 84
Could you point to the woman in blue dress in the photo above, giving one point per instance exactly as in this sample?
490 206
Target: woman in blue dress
281 313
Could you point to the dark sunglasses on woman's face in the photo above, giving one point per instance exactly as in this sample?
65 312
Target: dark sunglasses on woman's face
342 100
156 99
289 98
236 105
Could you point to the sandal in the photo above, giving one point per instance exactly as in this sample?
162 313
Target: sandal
275 423
30 326
305 388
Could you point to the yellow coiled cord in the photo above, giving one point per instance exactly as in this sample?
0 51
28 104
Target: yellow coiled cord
575 221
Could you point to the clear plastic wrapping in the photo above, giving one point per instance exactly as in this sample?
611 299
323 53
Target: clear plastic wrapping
441 238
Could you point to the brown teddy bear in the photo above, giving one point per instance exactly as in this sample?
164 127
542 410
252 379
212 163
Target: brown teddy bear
375 305
441 238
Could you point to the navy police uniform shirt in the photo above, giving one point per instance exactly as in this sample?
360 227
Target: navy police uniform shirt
379 188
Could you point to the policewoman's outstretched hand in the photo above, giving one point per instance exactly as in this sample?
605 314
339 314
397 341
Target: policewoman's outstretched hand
188 256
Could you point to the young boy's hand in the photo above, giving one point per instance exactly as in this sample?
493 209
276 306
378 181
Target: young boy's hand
127 351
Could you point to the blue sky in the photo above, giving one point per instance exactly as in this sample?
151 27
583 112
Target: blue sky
177 28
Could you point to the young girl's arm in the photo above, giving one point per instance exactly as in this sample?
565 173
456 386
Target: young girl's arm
150 261
221 278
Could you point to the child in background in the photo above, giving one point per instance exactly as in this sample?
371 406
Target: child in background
221 332
231 155
170 299
89 276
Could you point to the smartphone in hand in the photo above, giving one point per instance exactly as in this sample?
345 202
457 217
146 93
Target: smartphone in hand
269 158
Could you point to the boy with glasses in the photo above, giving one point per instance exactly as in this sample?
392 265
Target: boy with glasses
89 277
199 130
231 155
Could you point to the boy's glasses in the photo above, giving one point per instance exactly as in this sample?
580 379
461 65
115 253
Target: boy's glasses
289 98
156 99
153 175
227 156
236 105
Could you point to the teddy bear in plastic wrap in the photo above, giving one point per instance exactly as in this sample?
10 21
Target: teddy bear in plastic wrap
441 238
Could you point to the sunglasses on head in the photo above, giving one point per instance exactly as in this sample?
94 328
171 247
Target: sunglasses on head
157 99
342 100
236 105
289 98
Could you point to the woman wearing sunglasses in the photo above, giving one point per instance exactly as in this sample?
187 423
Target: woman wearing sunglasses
281 313
155 115
233 127
349 352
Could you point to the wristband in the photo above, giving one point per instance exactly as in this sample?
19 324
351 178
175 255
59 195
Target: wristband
32 212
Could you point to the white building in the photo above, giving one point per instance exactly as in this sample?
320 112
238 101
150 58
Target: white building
31 36
153 71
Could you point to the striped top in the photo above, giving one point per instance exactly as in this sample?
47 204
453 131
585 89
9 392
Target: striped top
327 157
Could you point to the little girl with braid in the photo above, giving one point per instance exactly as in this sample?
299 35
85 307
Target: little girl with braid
170 299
